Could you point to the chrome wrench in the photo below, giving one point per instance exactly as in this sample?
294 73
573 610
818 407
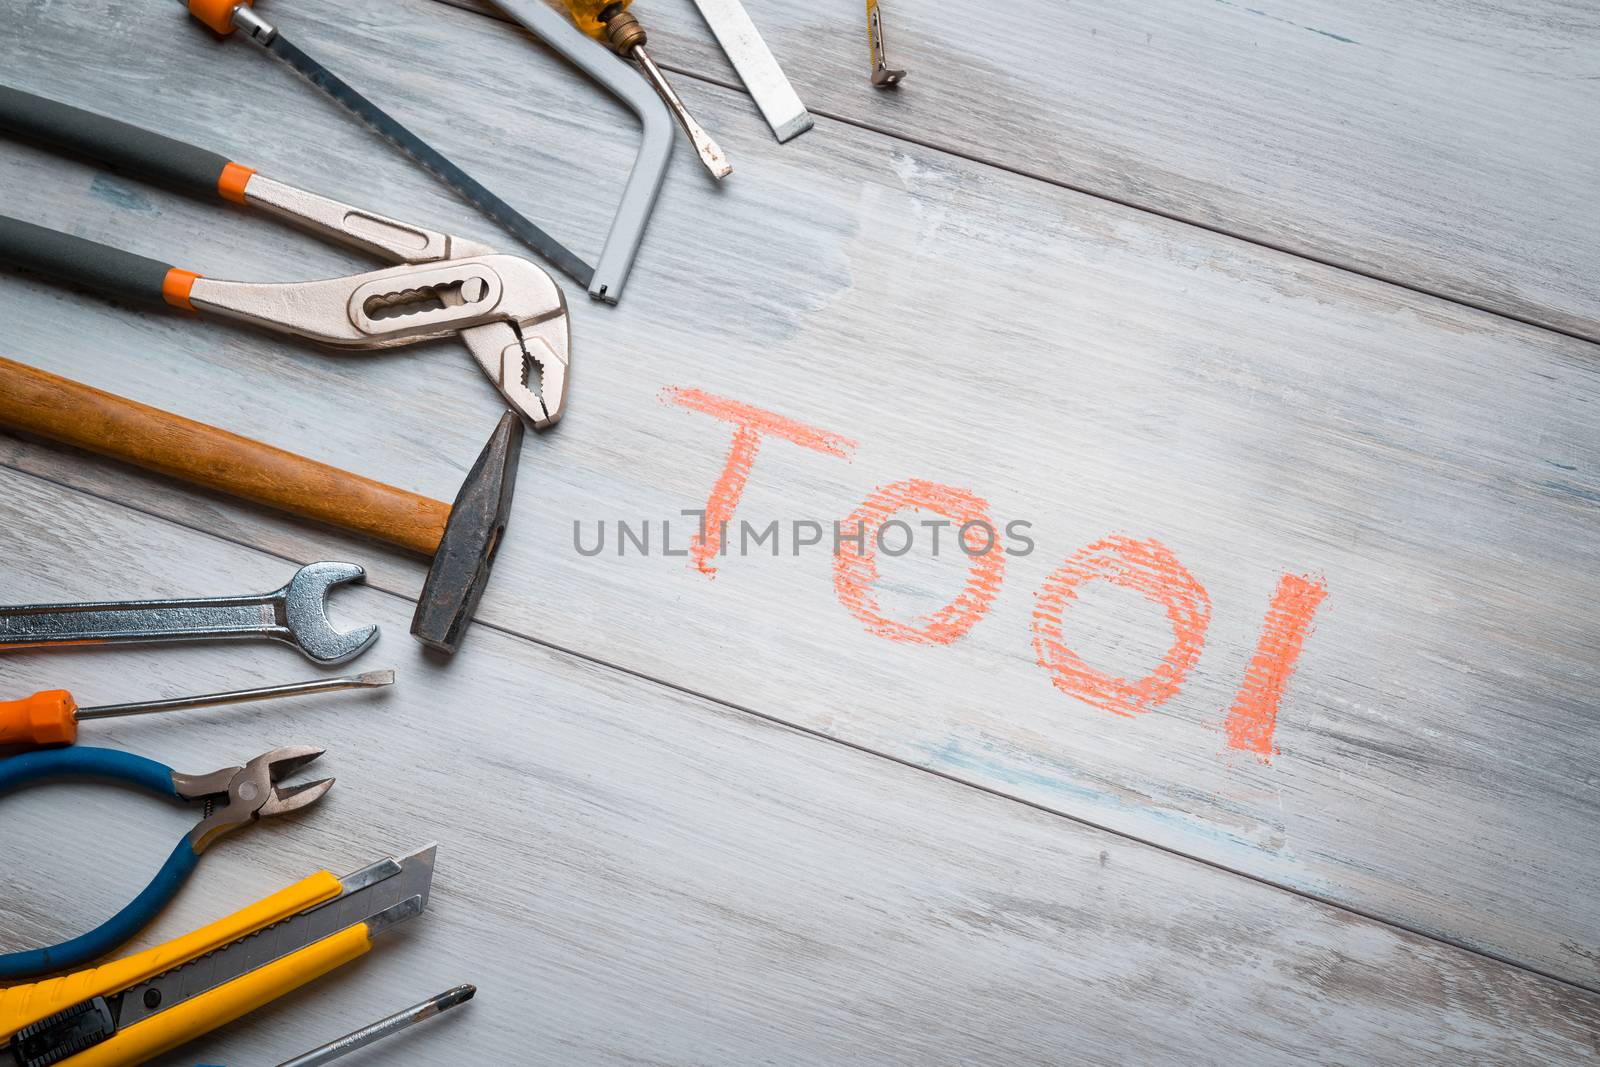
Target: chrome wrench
296 615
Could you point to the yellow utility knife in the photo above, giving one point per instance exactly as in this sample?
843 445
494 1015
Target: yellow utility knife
132 1009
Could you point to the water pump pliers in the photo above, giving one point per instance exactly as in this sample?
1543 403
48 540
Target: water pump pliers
509 311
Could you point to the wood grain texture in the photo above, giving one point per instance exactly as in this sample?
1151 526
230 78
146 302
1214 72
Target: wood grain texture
1446 147
1088 368
632 875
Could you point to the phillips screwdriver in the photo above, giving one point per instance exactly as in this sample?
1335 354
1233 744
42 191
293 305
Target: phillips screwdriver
611 22
392 1024
51 716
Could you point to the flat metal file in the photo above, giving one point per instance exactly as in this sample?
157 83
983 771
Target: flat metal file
780 105
225 16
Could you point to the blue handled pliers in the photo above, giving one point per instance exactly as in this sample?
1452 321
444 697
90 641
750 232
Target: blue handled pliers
233 796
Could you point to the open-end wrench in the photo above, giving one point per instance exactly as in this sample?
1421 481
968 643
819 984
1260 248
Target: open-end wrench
296 614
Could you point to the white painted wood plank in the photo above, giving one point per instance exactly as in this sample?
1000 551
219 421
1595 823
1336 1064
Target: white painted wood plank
632 875
1445 146
1088 368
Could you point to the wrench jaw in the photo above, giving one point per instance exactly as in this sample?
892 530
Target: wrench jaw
303 603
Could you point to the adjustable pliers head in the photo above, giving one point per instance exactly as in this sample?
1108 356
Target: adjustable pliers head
527 353
237 796
508 310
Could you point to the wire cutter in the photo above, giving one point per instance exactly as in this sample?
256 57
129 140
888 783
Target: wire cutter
510 313
233 796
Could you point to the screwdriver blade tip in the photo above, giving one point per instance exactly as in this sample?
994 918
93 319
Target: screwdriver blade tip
376 678
459 995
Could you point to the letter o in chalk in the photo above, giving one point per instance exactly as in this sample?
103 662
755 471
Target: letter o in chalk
854 573
1148 568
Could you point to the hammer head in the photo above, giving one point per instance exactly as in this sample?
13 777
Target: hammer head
471 537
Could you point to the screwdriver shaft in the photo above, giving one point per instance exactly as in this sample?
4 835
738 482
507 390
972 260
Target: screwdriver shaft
382 1028
369 680
710 152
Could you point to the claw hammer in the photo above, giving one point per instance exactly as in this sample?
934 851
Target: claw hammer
461 538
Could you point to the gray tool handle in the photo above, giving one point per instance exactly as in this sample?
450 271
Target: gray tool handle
132 621
117 145
64 257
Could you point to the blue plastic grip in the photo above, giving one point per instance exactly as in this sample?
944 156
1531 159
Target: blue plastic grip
82 762
115 931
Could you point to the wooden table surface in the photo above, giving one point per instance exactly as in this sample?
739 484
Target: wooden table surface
1273 326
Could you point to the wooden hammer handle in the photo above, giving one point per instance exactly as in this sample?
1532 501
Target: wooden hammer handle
76 414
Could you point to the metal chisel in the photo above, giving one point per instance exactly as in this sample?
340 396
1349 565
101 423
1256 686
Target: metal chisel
762 76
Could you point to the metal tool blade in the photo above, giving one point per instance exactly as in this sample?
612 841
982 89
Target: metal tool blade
369 680
780 105
383 1028
464 185
400 894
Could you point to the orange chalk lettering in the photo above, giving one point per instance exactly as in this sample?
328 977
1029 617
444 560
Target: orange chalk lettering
855 572
1254 715
1146 567
751 424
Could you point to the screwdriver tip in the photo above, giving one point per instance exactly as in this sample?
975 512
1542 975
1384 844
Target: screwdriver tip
451 997
375 678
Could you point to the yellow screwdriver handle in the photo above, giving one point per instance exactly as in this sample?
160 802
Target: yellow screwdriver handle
586 13
46 718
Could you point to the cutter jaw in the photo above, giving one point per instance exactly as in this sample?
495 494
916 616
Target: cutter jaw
250 792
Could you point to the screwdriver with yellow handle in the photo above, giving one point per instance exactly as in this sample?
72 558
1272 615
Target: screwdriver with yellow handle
51 717
609 21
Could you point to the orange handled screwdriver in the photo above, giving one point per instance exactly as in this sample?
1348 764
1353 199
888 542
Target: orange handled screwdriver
51 717
610 21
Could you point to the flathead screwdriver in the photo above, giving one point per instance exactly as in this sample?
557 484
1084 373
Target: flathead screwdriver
610 21
51 716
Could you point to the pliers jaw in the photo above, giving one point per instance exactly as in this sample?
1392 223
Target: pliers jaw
510 312
250 792
527 353
527 361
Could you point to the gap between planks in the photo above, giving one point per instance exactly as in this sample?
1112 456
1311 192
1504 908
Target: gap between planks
818 735
473 8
